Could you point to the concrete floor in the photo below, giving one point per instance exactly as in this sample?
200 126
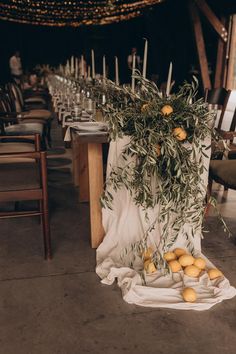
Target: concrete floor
60 307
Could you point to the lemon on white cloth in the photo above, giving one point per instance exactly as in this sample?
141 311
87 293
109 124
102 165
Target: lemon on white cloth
179 252
147 253
192 271
150 267
214 273
200 263
174 266
186 260
169 256
189 295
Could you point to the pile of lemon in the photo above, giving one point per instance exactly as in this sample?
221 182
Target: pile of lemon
179 260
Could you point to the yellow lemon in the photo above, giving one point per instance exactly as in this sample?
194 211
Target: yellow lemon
174 266
214 273
158 150
200 263
189 295
151 268
144 107
169 256
186 260
146 263
192 271
147 253
179 252
179 133
166 110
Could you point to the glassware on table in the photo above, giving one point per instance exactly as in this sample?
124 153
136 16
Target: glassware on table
76 112
90 108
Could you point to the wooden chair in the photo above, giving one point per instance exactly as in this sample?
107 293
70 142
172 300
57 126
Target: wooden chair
218 97
12 124
227 124
226 121
23 177
222 172
222 167
34 102
29 114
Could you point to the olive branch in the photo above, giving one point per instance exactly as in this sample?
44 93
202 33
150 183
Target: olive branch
159 166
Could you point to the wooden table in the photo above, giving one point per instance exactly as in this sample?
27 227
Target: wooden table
88 176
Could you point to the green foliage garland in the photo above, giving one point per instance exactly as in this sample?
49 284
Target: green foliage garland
166 146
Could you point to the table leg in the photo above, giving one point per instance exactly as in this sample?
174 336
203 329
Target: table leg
75 162
83 173
95 168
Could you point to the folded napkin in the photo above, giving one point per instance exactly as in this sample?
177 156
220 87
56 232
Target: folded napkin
91 126
86 128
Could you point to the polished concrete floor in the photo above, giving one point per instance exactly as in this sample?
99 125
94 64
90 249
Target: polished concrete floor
60 307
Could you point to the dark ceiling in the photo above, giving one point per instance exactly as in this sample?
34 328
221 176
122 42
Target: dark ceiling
167 27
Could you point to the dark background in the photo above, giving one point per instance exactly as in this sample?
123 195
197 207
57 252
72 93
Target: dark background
167 27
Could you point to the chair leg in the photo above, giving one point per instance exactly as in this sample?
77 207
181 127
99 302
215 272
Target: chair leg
41 211
46 231
46 226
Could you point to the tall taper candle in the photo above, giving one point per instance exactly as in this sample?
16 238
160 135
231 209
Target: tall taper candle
145 59
116 71
93 64
133 72
76 68
82 65
68 67
169 80
72 67
104 67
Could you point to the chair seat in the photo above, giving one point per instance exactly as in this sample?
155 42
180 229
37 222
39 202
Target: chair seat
19 176
30 120
223 172
37 113
16 147
35 99
11 147
24 129
35 106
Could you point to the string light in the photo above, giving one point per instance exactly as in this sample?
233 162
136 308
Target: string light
72 13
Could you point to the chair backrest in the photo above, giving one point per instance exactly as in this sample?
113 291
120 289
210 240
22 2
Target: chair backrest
5 103
16 96
217 96
227 120
226 100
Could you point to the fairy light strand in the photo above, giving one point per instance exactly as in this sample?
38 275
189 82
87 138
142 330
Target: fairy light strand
72 13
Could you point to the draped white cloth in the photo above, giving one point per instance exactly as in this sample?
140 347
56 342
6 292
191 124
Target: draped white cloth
126 224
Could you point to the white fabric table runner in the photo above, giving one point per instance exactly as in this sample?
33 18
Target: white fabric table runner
126 224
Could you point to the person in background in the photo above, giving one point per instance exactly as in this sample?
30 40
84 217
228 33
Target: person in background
16 67
130 59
